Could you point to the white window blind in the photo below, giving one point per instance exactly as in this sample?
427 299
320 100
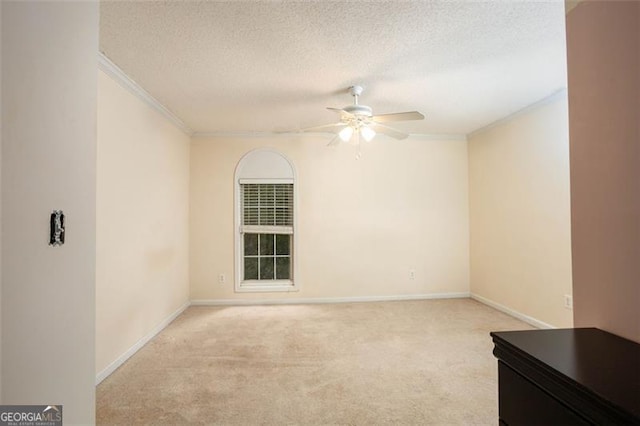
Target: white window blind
267 207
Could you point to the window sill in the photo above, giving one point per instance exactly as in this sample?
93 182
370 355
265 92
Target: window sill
262 287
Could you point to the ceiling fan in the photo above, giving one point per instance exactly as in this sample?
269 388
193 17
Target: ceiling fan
358 120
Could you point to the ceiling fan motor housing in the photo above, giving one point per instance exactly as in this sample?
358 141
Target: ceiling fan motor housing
359 110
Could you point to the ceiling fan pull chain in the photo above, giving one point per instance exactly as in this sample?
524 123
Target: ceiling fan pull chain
358 147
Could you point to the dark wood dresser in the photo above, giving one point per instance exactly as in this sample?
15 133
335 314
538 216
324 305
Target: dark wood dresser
580 376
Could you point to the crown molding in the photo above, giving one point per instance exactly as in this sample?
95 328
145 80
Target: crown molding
119 76
134 88
559 94
440 136
217 135
205 135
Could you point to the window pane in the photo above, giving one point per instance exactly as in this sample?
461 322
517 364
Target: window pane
267 256
283 244
267 195
267 215
284 204
250 195
284 194
251 244
283 216
266 244
283 268
250 216
250 268
266 268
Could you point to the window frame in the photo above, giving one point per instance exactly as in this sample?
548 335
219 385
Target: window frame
251 286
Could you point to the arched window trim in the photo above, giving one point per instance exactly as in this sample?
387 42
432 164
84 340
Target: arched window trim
266 176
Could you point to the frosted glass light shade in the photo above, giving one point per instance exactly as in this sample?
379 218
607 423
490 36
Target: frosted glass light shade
367 133
345 134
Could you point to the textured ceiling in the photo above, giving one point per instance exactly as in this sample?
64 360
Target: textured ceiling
262 66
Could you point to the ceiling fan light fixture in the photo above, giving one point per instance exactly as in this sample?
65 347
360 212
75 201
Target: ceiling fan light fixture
358 121
345 134
367 133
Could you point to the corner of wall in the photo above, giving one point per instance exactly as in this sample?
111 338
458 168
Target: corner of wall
519 196
143 192
569 5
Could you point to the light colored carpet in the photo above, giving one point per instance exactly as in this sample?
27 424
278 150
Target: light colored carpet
388 363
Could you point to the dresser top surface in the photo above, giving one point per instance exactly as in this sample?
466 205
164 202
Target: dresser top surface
606 364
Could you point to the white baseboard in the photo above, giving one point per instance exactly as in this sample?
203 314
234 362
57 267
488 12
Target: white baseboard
248 302
138 345
526 318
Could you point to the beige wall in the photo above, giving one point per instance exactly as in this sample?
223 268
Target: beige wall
0 203
519 213
603 43
142 220
362 224
49 162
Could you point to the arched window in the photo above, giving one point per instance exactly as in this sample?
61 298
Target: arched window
265 222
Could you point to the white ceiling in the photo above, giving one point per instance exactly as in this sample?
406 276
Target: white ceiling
262 66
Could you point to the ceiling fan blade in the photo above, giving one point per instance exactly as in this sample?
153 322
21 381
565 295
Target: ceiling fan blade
335 141
398 116
389 131
343 114
327 128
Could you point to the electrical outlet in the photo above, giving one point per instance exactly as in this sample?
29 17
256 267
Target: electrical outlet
222 279
412 274
568 301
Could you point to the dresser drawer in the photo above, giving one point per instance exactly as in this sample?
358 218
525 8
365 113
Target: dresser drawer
523 403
